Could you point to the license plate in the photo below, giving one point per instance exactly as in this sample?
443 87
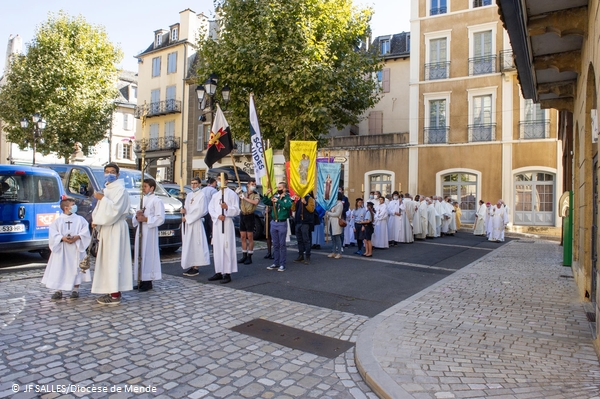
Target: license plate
166 233
13 228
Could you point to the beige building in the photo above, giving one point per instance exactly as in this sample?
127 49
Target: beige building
469 134
556 48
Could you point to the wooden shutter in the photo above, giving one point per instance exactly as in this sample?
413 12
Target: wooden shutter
385 80
376 122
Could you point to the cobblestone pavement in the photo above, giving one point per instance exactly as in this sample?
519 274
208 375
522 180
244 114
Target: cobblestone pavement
175 340
509 325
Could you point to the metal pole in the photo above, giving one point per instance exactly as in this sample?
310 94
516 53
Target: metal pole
34 142
140 235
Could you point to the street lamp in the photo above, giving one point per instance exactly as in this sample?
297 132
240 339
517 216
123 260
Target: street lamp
39 124
210 88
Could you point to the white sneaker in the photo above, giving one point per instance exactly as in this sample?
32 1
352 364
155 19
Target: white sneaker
338 256
331 255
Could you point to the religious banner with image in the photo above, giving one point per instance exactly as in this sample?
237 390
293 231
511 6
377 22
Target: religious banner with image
303 156
328 181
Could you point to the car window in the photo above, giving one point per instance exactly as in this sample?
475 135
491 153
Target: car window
79 182
47 189
132 180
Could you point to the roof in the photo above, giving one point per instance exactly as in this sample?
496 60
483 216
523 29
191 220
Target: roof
126 79
399 45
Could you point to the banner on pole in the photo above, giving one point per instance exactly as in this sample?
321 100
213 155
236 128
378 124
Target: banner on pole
269 164
303 156
258 159
328 177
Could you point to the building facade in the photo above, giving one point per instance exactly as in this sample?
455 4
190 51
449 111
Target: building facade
556 48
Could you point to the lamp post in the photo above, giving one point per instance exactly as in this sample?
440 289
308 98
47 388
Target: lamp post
210 88
39 124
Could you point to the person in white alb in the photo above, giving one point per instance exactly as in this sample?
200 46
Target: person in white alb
149 218
479 229
195 251
499 220
395 219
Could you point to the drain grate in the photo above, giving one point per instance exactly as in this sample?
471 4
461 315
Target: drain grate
294 338
591 316
525 241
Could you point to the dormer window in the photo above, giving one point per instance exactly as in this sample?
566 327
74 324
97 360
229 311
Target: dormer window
175 34
158 40
384 46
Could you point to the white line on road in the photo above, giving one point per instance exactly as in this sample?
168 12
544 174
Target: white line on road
417 265
453 245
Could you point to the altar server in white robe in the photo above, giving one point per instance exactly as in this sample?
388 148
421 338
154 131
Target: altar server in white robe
432 219
395 219
407 211
437 203
349 238
113 271
488 219
421 218
380 234
68 237
499 218
452 225
222 208
195 251
416 217
479 229
150 217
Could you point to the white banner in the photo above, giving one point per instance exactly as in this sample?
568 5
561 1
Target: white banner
258 157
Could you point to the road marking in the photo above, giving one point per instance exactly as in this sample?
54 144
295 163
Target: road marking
26 266
416 265
453 245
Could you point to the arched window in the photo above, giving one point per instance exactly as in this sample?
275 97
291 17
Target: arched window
462 187
380 180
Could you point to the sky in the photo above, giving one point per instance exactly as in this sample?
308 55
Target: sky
131 23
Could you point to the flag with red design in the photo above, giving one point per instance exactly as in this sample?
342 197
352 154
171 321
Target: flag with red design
220 143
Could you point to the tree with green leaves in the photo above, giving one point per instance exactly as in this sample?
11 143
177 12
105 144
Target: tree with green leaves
303 60
69 76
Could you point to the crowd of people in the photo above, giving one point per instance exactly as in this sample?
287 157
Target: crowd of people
208 218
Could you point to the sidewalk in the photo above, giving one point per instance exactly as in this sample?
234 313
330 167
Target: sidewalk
509 325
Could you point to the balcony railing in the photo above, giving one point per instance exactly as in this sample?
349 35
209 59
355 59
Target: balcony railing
158 108
482 65
157 144
507 61
534 129
437 70
436 135
485 132
439 10
481 3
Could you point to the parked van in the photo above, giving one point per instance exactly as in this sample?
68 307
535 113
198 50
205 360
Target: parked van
29 202
80 182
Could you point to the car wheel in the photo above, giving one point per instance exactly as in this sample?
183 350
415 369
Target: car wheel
259 229
45 253
169 250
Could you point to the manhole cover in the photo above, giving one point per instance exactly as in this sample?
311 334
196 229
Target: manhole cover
294 338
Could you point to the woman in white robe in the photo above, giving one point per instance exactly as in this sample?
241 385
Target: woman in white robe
195 251
380 234
479 229
224 244
154 216
395 233
62 272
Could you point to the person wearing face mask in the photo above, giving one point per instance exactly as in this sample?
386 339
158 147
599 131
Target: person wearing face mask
248 202
68 239
395 219
113 271
282 205
195 251
149 218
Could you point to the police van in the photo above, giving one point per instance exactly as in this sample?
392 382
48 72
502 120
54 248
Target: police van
29 202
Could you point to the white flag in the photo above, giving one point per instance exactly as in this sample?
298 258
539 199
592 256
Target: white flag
258 157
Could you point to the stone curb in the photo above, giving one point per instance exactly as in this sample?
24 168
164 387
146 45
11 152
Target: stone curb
373 374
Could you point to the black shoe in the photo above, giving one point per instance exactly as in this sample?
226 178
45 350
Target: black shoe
226 279
268 256
145 286
248 260
216 277
300 258
307 260
191 272
271 256
244 257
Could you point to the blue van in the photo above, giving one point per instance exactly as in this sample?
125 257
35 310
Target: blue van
29 202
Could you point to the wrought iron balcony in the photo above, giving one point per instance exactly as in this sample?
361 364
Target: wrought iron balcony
534 129
158 108
507 61
482 65
439 10
481 3
437 70
436 135
157 144
482 132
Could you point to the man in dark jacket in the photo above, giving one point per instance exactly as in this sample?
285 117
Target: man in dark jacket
304 209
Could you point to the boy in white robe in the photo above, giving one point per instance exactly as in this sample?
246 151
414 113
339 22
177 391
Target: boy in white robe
149 218
222 208
69 236
195 251
395 219
114 269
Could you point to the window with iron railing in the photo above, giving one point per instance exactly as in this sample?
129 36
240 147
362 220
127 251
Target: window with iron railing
481 3
438 7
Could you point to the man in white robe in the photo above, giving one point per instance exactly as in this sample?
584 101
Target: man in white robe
452 226
437 203
407 211
395 219
480 216
68 237
488 219
195 251
380 234
149 218
432 219
499 218
416 217
421 219
222 208
113 272
447 216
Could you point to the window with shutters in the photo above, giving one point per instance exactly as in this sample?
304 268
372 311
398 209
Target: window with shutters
385 80
154 102
376 122
155 67
127 122
384 46
170 104
125 151
153 142
482 115
482 50
169 130
172 62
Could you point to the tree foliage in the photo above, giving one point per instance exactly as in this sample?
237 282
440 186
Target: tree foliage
302 60
69 76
